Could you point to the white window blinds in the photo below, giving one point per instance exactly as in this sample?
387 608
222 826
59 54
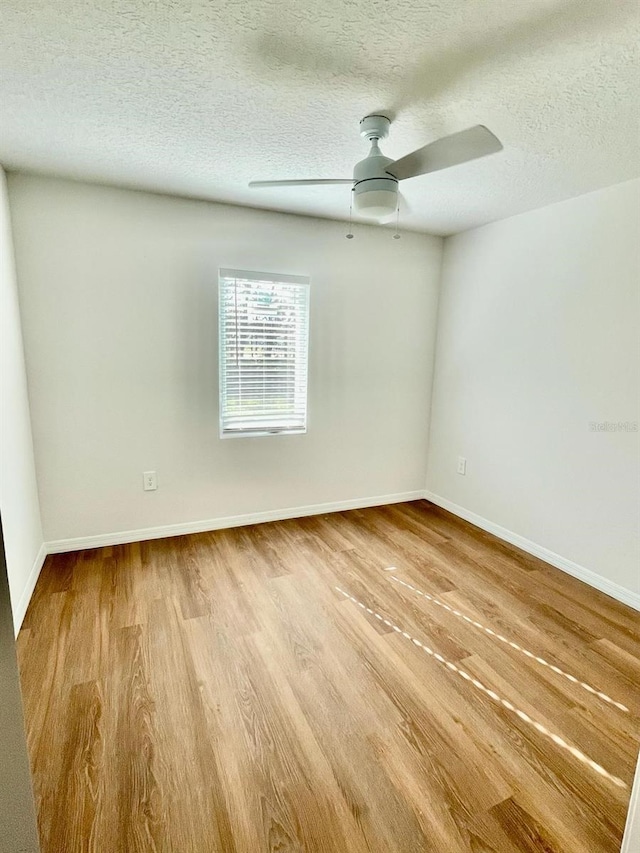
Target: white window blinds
264 340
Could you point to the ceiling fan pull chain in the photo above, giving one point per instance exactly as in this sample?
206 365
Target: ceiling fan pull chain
396 236
350 235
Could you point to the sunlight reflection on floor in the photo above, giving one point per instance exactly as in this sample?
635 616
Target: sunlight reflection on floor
492 694
513 645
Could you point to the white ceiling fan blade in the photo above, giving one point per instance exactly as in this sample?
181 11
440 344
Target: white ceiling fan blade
449 151
312 182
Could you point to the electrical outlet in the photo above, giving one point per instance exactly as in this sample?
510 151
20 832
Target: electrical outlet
149 481
462 465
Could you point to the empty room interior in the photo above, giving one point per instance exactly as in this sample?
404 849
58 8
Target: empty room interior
320 461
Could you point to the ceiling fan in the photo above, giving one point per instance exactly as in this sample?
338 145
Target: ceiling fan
375 179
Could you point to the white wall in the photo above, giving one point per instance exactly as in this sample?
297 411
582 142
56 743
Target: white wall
119 298
538 335
18 489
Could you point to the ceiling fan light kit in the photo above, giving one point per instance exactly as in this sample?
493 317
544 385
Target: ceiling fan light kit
376 202
375 179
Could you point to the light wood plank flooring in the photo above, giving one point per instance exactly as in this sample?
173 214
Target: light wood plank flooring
275 688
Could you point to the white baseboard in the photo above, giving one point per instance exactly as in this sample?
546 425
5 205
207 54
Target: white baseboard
616 591
20 610
620 593
122 537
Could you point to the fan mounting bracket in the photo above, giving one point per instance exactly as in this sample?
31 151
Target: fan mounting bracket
374 127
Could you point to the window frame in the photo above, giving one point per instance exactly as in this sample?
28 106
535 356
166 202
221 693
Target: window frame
275 278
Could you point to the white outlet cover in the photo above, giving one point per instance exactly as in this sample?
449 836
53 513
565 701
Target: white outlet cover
149 481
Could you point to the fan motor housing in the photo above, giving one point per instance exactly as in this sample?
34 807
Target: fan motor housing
373 185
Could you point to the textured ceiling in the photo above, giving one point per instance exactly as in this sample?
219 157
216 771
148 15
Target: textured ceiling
197 98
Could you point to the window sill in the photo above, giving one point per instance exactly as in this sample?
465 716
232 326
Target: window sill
252 433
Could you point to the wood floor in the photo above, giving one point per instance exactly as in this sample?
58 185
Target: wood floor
217 692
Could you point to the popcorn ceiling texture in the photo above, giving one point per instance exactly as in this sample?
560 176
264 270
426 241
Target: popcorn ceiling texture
197 98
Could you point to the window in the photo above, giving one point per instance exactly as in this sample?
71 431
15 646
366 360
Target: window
264 341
